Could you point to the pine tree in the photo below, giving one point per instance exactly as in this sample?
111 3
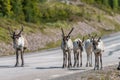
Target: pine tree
91 1
105 2
17 8
115 4
31 10
5 8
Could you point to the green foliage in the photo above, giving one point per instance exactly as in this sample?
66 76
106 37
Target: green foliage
5 8
53 12
42 1
17 9
36 11
31 10
113 4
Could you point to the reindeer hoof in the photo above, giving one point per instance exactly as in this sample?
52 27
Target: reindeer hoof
97 68
16 65
69 66
64 66
73 65
90 65
80 65
22 65
86 65
118 68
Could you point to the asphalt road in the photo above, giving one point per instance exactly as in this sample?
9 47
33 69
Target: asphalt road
47 64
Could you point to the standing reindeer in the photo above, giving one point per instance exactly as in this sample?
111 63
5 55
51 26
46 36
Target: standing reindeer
78 49
67 47
98 49
89 50
19 44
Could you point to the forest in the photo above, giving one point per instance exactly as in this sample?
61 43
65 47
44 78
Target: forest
38 11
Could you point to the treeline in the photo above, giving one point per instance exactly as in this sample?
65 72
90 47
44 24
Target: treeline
113 4
34 11
19 9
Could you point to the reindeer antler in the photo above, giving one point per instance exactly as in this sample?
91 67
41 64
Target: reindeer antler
62 31
83 39
70 31
99 39
21 30
10 31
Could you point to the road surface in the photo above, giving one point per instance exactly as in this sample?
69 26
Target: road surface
46 65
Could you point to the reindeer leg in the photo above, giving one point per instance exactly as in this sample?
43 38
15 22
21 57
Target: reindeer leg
78 59
66 59
63 59
101 60
95 62
17 56
22 59
91 60
81 59
87 60
118 68
74 59
69 60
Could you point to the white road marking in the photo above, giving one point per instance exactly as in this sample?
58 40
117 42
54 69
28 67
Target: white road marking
37 79
55 76
113 45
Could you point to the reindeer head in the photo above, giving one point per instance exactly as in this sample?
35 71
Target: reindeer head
92 37
15 36
65 38
96 43
80 43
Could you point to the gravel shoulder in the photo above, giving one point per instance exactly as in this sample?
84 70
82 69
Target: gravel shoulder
108 73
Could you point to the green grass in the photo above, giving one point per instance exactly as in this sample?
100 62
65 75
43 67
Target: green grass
53 44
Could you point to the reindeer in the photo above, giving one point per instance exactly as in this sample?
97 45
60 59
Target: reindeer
19 44
67 47
98 49
78 49
89 50
118 68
